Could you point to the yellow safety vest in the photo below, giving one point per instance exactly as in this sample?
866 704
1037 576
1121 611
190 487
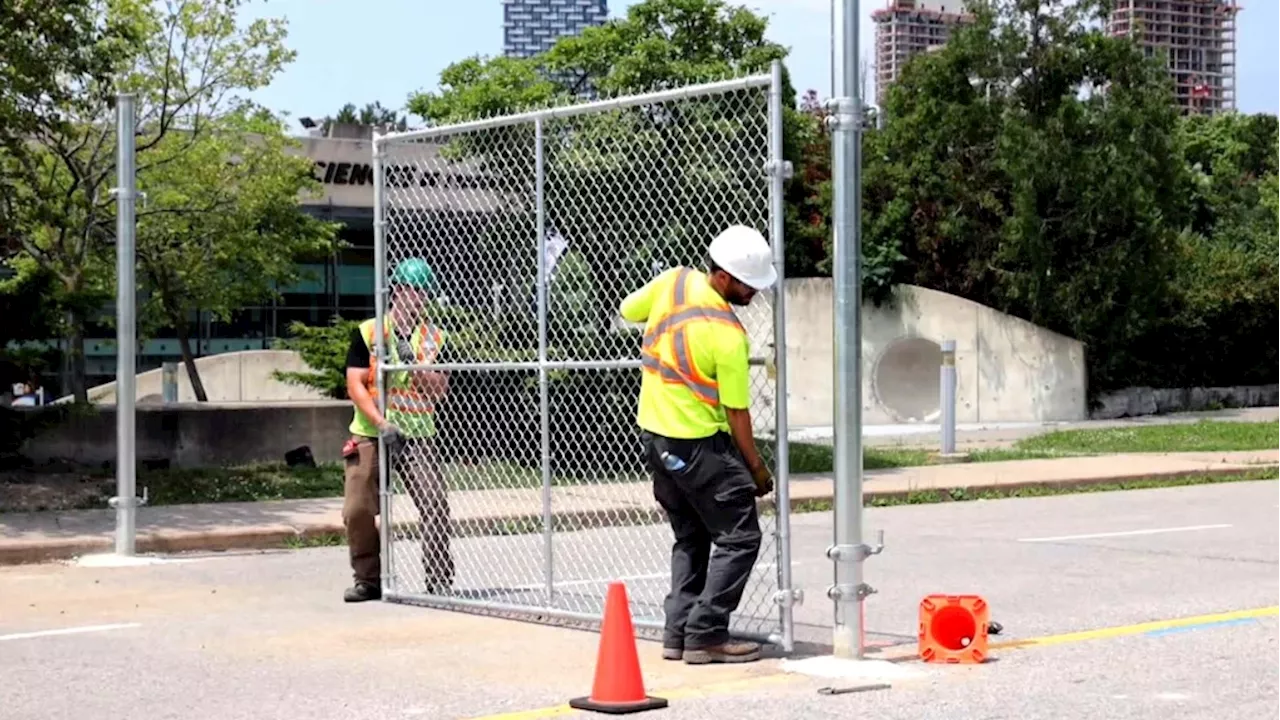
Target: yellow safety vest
408 409
666 357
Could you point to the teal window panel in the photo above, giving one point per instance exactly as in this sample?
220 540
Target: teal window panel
355 280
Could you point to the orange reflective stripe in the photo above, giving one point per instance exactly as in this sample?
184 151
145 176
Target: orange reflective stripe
683 371
404 400
371 377
681 317
706 393
409 402
678 290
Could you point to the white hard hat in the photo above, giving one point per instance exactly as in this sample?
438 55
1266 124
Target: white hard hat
743 253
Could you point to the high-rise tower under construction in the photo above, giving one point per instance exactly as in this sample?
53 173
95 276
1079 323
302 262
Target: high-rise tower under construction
1197 39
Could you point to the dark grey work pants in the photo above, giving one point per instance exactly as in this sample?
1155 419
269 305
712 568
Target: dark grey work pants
709 500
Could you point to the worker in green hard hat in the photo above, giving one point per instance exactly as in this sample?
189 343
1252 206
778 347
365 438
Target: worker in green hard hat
407 429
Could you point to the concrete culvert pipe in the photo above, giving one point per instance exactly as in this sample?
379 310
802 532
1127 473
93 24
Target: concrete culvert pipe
905 379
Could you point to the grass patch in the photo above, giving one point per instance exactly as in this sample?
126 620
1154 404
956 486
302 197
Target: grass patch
244 483
812 458
1201 436
314 541
1205 435
275 481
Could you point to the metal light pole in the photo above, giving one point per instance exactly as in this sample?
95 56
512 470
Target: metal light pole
848 552
125 502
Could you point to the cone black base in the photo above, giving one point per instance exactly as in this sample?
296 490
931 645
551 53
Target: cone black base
649 703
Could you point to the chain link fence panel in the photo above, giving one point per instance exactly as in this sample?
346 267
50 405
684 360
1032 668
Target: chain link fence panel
522 490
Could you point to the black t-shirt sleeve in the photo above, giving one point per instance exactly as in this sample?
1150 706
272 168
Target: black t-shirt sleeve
357 352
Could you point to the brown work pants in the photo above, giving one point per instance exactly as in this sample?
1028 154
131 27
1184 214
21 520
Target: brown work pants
419 471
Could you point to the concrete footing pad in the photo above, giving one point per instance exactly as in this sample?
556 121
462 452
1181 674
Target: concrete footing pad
871 671
112 560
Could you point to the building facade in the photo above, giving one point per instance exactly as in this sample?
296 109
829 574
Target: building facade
906 28
530 27
1197 39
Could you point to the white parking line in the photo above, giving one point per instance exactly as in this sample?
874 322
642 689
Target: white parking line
1125 533
69 631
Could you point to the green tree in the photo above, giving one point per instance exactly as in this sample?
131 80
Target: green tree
659 44
1222 307
1230 157
629 190
1031 165
371 114
43 43
27 316
224 228
324 350
188 68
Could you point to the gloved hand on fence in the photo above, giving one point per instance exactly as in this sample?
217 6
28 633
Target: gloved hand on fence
391 437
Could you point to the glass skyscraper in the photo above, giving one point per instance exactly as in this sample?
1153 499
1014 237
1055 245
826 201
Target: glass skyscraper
530 27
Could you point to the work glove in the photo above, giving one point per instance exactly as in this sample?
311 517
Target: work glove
391 437
763 479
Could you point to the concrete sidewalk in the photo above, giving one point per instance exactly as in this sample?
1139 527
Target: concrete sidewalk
46 536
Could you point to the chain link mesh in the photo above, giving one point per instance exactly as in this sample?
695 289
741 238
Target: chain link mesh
626 191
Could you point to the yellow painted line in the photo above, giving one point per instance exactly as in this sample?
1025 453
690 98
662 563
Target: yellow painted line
732 686
684 693
1139 628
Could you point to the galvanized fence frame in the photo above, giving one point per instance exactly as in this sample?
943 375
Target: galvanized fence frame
411 182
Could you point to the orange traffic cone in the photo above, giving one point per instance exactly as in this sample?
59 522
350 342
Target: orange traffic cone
619 687
953 629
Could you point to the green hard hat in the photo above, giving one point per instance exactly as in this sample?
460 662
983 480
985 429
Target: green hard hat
414 272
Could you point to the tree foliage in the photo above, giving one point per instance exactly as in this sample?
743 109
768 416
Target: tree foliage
1221 309
630 190
1035 165
43 42
188 62
324 350
653 164
224 229
371 114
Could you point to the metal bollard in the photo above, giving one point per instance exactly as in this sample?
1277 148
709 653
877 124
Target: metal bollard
169 382
947 399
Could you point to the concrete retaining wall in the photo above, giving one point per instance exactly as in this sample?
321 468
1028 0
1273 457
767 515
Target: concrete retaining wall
200 434
1007 369
228 377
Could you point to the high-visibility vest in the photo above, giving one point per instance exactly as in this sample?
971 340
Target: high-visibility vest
665 349
407 408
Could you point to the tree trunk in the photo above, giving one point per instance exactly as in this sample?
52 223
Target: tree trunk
189 360
75 348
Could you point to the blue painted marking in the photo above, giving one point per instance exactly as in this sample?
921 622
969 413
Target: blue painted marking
1199 626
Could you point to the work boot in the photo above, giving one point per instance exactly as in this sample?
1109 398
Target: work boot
730 652
362 591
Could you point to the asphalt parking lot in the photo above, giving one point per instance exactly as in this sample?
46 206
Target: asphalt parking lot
265 635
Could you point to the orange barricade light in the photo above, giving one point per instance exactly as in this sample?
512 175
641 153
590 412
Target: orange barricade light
953 629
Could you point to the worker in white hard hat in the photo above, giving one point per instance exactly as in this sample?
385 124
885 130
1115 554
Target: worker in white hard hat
696 427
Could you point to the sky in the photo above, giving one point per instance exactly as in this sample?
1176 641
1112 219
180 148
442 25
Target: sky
389 49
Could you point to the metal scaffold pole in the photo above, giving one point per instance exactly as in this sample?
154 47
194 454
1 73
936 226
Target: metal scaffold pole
849 552
126 501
